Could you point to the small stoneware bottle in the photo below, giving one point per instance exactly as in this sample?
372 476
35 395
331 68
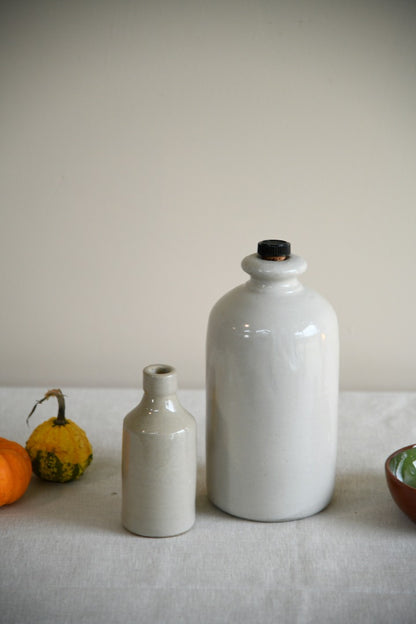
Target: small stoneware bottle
272 392
159 459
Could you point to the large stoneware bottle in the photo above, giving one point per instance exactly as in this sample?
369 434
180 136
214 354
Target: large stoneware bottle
272 392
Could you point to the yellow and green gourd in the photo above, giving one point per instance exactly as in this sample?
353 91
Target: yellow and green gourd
59 449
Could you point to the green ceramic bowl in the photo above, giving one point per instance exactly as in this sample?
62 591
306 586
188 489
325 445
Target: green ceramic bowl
400 468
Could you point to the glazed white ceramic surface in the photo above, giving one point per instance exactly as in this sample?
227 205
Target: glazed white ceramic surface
159 460
272 395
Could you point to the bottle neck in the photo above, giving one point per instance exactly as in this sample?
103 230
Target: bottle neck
278 275
159 380
159 386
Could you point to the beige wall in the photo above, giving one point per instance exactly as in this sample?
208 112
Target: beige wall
147 146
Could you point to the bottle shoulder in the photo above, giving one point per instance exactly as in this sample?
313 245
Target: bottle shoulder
230 298
270 309
159 419
244 297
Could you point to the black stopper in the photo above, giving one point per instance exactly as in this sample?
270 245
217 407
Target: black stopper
270 249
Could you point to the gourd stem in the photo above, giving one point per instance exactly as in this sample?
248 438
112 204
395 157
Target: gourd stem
60 419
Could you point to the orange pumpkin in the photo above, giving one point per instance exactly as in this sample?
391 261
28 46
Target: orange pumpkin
15 471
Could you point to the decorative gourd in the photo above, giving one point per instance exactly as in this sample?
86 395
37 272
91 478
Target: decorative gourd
15 471
59 449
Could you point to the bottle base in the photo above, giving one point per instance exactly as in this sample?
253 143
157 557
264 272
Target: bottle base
158 534
271 518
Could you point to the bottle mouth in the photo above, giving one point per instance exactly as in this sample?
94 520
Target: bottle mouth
159 369
159 379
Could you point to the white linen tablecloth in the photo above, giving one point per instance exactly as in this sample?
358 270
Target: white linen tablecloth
65 557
